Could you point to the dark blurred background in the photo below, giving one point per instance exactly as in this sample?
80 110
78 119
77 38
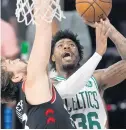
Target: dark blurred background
21 38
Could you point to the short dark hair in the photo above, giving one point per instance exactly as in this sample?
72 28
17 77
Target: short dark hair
8 88
62 35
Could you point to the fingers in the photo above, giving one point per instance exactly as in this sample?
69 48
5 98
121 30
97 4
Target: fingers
91 24
99 29
106 23
105 29
96 24
107 20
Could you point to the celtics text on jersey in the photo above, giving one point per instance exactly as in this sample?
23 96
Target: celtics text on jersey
86 107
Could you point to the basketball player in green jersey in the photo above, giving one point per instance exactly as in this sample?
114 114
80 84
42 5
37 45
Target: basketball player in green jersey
86 107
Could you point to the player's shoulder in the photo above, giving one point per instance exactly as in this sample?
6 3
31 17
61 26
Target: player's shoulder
97 75
92 82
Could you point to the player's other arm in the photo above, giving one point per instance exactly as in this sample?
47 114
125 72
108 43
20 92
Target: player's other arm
111 76
118 39
37 84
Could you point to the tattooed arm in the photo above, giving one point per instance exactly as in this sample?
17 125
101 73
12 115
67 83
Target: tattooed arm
111 76
118 39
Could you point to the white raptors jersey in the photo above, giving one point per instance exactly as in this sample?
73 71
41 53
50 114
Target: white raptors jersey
87 108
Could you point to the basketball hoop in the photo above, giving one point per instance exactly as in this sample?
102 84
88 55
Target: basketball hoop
24 11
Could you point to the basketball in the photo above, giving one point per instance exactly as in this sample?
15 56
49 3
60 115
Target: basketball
93 10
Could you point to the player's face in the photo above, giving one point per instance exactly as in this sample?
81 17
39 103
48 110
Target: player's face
66 53
17 67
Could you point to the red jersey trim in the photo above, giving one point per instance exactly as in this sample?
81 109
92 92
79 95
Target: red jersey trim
53 95
23 87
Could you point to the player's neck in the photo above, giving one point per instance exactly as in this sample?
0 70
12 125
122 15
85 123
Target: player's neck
65 74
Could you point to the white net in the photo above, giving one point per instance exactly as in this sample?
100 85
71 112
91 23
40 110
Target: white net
25 10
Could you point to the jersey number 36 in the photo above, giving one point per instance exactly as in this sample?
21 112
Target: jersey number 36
88 122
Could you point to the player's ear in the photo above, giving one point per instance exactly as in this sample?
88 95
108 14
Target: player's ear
53 58
17 78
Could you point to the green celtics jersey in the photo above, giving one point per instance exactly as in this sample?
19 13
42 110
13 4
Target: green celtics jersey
87 108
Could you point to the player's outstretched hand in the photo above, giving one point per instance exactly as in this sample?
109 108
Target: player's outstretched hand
101 37
93 25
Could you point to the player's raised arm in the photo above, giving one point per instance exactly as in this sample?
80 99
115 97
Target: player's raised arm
37 88
75 82
116 73
118 39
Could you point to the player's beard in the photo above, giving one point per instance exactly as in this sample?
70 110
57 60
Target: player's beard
68 67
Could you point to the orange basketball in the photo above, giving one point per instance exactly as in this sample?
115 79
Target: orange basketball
94 10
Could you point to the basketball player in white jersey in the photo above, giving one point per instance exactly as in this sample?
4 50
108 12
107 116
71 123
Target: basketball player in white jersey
86 107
